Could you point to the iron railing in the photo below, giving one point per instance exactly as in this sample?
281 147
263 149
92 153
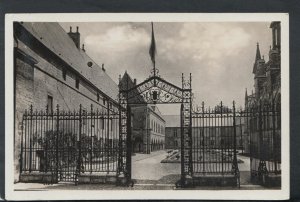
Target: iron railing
214 134
68 143
219 134
263 124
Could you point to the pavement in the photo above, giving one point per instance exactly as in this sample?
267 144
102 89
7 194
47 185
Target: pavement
147 169
148 174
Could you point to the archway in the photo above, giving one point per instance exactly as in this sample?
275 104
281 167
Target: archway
154 90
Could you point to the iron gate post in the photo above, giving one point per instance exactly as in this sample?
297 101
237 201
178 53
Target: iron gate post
21 153
186 135
190 129
57 134
107 138
275 153
78 169
262 169
30 139
235 167
182 145
129 145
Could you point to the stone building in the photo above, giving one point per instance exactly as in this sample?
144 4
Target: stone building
267 79
52 68
215 135
148 126
173 131
148 129
263 127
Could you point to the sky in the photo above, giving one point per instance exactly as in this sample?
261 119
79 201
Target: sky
220 55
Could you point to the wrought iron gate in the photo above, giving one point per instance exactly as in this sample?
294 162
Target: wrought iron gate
214 135
154 90
66 144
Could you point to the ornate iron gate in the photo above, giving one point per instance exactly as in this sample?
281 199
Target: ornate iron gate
67 144
214 147
154 90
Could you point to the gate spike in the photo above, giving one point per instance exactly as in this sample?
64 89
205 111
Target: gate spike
31 109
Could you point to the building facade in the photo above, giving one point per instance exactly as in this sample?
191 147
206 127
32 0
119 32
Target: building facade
52 69
263 127
148 129
214 136
267 80
173 131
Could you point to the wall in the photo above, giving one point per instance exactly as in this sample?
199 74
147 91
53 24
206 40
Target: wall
24 75
172 136
157 126
146 135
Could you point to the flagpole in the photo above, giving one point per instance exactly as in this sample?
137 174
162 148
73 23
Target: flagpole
154 68
152 50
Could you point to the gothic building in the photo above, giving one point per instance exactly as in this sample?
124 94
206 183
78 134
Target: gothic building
267 74
263 109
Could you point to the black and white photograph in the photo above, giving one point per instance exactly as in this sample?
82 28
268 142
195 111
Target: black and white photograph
177 105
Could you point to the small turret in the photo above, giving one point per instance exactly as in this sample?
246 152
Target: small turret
258 56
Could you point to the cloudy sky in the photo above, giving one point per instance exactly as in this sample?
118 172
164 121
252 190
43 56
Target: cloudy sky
220 56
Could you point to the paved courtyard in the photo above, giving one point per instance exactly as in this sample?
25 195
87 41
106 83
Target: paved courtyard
146 168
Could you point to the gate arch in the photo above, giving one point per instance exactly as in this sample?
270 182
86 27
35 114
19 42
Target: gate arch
154 90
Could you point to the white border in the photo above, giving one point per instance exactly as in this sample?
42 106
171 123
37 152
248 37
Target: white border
151 194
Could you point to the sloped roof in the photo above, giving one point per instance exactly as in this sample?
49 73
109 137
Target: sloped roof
54 37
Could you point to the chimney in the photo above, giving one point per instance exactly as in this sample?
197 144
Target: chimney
103 67
83 48
134 81
75 36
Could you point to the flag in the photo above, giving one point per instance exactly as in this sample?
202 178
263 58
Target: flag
152 50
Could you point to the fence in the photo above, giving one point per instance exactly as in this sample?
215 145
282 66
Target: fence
214 134
67 143
264 127
218 134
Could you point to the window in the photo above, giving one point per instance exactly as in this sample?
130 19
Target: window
175 133
104 101
77 83
50 103
64 72
98 97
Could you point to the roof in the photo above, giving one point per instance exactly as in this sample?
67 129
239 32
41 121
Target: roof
54 37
